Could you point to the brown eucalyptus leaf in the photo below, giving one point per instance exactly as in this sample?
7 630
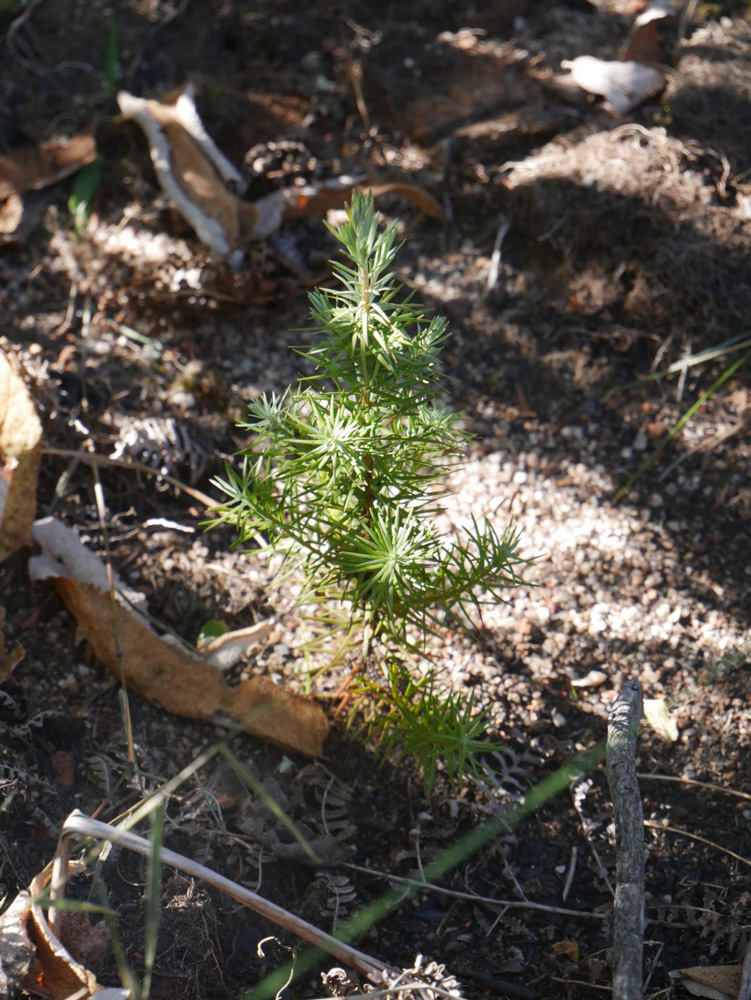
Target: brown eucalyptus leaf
163 669
16 950
59 973
20 454
715 982
317 200
44 164
196 175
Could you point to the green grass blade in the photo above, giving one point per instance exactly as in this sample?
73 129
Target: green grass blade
153 898
726 347
650 459
85 187
447 860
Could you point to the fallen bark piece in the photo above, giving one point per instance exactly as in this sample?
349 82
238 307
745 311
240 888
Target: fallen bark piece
20 454
628 907
163 669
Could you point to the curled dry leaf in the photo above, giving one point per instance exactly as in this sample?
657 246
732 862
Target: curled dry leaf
20 453
624 85
32 956
16 950
643 43
163 669
568 948
194 173
317 200
42 165
198 178
229 648
59 972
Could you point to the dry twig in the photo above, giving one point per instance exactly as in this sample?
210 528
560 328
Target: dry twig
472 897
78 825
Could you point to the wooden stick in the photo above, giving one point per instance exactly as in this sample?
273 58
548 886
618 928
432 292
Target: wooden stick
628 916
744 993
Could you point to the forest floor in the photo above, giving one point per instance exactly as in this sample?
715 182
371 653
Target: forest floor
621 247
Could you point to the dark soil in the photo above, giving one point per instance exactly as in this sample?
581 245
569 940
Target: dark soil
626 249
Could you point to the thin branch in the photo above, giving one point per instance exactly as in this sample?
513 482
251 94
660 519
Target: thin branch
694 784
628 906
90 458
518 904
695 836
581 982
570 875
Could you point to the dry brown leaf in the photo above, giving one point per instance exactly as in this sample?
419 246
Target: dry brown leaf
194 173
624 85
319 199
229 648
32 955
16 950
715 982
660 718
20 454
162 669
568 948
57 971
11 214
35 168
8 659
197 177
643 43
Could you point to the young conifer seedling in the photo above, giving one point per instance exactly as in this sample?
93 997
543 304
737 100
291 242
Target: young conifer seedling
342 478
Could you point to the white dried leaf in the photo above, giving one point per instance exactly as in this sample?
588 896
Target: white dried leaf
624 85
660 718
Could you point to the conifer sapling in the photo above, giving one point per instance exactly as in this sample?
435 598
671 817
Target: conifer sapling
342 478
